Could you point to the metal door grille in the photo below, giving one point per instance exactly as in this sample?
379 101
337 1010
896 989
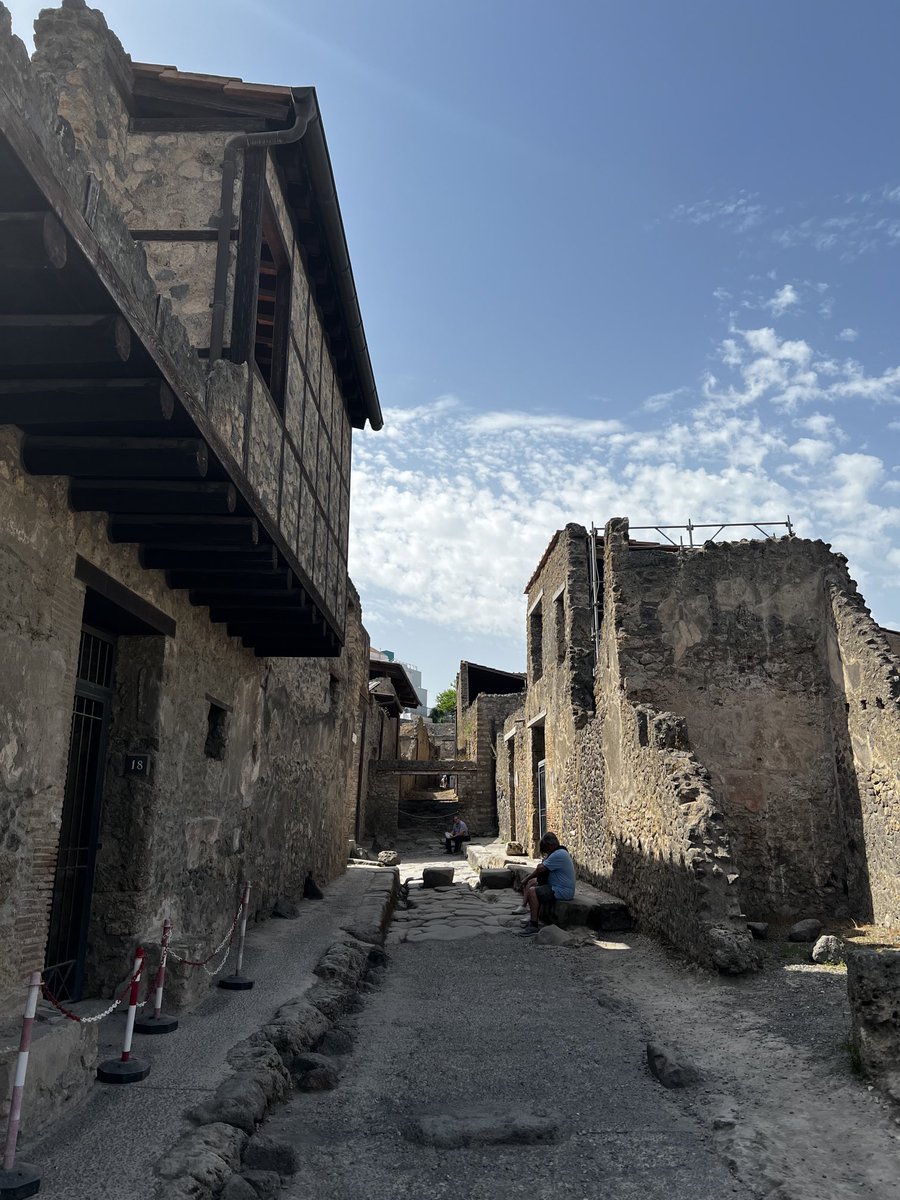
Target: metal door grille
79 831
542 797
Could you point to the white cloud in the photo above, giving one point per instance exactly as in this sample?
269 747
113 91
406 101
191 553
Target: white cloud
786 297
452 507
848 335
551 424
740 212
811 450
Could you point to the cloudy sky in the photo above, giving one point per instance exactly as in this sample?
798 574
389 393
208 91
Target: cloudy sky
615 258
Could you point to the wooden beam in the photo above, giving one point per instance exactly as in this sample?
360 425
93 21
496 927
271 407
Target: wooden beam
182 97
231 581
34 240
165 558
207 532
32 403
152 496
116 457
69 339
225 605
295 650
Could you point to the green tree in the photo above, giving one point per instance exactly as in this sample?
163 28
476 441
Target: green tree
444 705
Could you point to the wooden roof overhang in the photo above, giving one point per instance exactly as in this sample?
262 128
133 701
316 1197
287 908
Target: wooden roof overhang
396 673
101 398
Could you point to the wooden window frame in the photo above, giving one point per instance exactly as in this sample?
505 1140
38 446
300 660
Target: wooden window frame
259 223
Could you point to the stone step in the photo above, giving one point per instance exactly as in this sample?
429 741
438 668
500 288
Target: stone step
591 906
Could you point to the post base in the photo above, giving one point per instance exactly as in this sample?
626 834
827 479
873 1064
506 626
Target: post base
160 1024
19 1182
236 983
116 1071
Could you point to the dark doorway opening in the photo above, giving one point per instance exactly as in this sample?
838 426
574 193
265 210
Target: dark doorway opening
539 781
73 884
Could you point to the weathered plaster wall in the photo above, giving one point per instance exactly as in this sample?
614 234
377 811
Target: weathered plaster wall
179 843
731 636
865 671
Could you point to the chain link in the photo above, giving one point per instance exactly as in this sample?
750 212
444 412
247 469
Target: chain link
95 1017
225 945
188 962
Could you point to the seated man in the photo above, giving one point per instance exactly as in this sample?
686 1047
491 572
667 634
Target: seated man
553 879
457 834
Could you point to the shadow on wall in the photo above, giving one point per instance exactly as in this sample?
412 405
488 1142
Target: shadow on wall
668 900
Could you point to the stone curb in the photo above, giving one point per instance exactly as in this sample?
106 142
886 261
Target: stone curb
203 1161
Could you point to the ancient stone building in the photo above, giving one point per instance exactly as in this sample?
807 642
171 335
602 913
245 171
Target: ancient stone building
182 362
484 699
714 734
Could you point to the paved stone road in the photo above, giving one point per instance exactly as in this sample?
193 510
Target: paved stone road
477 1036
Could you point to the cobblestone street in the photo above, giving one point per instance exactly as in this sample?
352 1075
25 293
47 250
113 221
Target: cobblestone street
486 1063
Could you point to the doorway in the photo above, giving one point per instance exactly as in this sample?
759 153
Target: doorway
542 798
73 884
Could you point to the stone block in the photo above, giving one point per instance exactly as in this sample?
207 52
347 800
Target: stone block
450 1131
758 929
496 877
873 989
61 1068
389 858
433 877
264 1153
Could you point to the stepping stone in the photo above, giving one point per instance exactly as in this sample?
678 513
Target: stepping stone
496 877
448 1131
437 877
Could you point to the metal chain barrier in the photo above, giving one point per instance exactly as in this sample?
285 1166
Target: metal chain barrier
101 1016
226 940
166 952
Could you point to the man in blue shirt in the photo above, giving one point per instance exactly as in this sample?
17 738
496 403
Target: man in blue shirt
553 879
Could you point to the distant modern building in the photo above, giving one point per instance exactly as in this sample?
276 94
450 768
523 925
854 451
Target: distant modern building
415 678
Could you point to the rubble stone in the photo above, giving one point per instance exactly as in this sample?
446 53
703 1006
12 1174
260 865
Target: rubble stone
672 1069
828 949
805 931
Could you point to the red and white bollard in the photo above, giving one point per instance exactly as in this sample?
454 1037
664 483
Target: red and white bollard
157 1022
127 1069
238 982
17 1182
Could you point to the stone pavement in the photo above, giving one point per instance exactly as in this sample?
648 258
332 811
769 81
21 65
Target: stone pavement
482 1066
108 1147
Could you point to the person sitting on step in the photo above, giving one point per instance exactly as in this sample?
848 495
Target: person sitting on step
457 834
553 879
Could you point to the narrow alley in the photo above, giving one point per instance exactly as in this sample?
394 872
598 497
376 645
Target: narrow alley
483 1062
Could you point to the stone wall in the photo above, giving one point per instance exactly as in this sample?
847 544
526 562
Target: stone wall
270 808
731 636
481 724
865 671
743 757
559 698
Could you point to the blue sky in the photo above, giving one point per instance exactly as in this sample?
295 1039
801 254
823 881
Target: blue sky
634 258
